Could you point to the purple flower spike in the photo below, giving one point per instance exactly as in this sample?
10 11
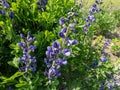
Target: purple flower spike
27 60
66 52
91 18
56 54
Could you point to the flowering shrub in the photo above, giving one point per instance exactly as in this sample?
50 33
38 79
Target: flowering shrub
55 45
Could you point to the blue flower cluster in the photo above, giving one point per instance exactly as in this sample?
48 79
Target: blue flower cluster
42 4
27 61
6 5
58 52
91 18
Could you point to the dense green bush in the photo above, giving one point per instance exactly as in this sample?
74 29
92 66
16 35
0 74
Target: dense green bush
27 27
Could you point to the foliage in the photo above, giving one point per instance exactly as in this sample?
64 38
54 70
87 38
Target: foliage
88 67
115 46
117 16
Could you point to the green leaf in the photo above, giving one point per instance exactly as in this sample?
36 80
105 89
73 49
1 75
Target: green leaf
20 85
14 63
11 79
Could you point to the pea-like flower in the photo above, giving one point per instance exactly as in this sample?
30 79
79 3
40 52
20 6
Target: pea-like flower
11 14
66 52
62 21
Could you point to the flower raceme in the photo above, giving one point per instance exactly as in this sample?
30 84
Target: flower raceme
91 18
57 53
27 60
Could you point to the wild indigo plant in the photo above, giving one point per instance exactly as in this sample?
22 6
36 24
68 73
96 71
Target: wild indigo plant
91 18
57 53
27 61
